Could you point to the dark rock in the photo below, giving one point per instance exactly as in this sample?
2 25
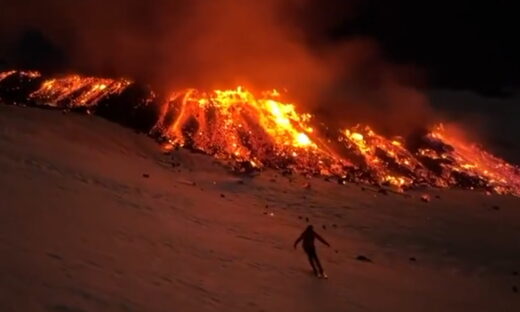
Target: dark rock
300 217
515 289
286 172
383 191
222 195
146 175
412 259
334 225
495 207
515 273
363 258
324 227
438 196
307 219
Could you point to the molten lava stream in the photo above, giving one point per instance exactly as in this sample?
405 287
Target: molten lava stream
235 124
76 91
249 130
469 160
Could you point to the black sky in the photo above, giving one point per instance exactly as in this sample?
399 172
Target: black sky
462 44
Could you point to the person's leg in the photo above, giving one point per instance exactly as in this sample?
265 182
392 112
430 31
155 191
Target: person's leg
317 260
311 261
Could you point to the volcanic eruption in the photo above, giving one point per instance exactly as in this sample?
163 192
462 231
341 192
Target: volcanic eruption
254 130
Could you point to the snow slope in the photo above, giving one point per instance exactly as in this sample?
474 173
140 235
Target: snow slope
94 217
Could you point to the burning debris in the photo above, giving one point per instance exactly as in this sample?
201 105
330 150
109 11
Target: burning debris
250 131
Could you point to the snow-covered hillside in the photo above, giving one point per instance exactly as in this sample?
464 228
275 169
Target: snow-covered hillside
95 217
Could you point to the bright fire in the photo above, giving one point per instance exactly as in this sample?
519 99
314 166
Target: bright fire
251 130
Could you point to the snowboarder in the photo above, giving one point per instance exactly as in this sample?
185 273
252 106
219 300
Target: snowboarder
308 237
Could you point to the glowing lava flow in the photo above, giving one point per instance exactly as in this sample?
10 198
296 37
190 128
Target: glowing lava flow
388 161
252 131
77 91
466 164
30 74
236 125
6 74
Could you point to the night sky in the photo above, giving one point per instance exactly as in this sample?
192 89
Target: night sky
462 44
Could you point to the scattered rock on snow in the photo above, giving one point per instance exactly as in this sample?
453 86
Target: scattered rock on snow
363 258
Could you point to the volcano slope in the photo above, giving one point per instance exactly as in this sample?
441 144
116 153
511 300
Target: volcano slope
95 217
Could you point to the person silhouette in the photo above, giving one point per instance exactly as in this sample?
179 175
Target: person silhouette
307 238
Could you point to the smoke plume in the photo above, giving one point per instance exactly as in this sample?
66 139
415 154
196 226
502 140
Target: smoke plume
220 44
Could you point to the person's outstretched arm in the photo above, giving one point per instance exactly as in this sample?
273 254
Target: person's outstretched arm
321 239
298 240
